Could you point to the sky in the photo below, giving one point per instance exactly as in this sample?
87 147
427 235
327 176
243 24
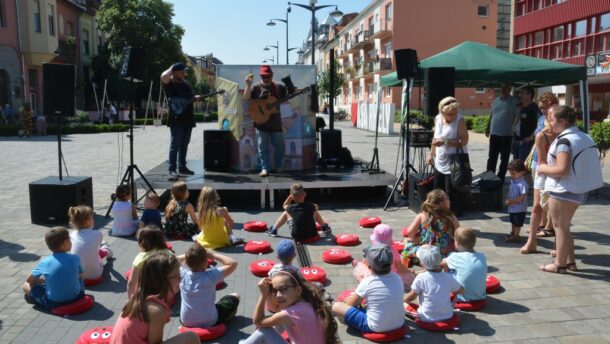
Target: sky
235 31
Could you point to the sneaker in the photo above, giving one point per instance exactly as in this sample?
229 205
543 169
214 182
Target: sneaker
271 231
185 171
173 175
106 248
28 299
237 240
264 173
326 231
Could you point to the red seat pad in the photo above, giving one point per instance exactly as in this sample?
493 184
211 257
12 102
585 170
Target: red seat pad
128 274
257 246
310 240
209 333
404 231
470 306
383 337
98 335
492 284
169 246
76 307
211 262
318 227
255 226
369 222
344 294
94 281
398 245
440 326
261 267
411 309
314 274
347 239
336 256
220 285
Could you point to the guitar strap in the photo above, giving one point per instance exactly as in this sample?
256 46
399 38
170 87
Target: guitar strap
276 89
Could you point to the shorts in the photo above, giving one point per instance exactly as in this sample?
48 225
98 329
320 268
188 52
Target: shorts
226 308
356 317
517 219
578 198
38 294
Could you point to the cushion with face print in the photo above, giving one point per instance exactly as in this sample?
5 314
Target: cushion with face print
314 274
261 267
336 256
98 335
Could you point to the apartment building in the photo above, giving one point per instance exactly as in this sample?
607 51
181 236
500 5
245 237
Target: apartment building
11 66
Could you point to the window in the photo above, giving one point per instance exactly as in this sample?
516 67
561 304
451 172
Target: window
521 42
33 79
568 31
520 8
2 20
604 22
388 50
593 27
51 20
479 90
581 28
37 24
69 29
482 11
558 33
86 41
388 12
538 37
578 48
556 51
388 91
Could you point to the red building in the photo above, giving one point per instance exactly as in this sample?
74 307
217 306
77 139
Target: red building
570 31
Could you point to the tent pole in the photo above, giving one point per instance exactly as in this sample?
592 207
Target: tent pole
584 104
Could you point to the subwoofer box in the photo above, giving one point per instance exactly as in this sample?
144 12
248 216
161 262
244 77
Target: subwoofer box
217 149
330 141
50 198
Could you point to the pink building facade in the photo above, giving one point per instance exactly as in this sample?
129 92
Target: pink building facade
11 65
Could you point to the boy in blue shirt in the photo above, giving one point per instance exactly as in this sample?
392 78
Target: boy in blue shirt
198 289
57 279
151 216
467 266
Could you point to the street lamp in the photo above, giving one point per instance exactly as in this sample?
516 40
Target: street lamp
285 21
271 59
277 50
312 8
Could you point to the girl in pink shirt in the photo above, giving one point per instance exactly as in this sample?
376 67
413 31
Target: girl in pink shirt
303 314
146 312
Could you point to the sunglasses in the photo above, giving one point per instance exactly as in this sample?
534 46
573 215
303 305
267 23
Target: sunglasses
265 77
449 102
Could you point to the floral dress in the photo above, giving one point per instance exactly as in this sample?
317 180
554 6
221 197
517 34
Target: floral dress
429 234
177 224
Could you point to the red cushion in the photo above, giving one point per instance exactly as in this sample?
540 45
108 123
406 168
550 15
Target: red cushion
344 294
398 245
98 335
209 333
369 222
310 240
220 285
470 306
314 274
255 226
318 227
169 246
211 262
492 284
411 310
383 337
257 246
76 307
404 231
347 239
336 256
261 267
94 281
128 274
440 326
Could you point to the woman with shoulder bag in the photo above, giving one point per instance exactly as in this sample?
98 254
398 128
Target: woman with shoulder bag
450 133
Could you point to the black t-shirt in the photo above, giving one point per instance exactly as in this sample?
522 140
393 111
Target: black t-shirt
259 91
303 223
180 90
528 120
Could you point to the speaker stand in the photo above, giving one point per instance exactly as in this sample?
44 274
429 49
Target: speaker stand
373 166
128 177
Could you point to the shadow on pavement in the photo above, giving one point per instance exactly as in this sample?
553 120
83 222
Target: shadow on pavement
12 251
497 306
118 285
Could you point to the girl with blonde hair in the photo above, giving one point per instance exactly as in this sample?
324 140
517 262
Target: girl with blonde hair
177 212
216 224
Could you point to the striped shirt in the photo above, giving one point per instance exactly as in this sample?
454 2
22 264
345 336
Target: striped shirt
517 188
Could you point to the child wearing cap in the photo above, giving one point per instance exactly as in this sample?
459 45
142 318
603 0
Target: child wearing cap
285 254
382 234
383 291
433 286
467 266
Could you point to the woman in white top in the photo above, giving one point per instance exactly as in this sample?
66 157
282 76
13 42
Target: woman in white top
450 132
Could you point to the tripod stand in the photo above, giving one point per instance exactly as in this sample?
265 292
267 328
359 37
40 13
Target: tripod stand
373 166
128 177
407 88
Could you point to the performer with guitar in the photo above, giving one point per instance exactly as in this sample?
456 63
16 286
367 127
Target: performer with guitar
268 131
181 119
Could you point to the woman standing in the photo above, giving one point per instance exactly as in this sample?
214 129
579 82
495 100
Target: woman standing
450 132
572 171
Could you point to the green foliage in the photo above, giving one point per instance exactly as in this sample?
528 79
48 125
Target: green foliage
469 121
425 121
324 82
13 129
600 133
479 124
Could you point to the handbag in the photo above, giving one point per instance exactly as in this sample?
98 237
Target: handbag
461 173
529 159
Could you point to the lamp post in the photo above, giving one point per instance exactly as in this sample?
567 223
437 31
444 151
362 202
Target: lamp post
313 8
271 59
277 50
285 21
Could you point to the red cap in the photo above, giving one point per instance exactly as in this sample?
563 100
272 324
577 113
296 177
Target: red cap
265 70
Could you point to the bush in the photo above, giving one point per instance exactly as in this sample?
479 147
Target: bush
469 121
600 133
13 129
425 121
149 121
479 124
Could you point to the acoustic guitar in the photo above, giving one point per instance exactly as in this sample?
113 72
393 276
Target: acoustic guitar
261 109
178 105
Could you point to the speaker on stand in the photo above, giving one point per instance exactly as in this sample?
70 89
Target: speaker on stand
438 84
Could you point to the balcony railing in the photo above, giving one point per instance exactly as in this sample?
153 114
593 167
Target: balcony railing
384 63
381 29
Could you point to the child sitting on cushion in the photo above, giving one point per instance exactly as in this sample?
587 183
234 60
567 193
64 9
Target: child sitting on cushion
198 289
300 215
150 240
434 287
56 280
383 291
151 216
467 266
285 254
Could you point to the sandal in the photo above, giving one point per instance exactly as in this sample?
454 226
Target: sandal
572 266
545 233
558 269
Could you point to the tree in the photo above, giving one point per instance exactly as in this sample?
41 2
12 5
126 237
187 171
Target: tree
324 82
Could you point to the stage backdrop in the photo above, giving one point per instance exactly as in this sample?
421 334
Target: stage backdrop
298 121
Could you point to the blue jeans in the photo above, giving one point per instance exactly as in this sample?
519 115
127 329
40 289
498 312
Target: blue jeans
264 140
181 136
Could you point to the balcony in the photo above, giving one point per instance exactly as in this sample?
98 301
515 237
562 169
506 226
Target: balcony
342 52
381 29
361 41
383 64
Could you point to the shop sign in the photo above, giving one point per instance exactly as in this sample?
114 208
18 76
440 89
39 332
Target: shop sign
602 64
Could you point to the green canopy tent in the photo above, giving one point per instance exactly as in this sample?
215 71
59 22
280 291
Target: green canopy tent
479 65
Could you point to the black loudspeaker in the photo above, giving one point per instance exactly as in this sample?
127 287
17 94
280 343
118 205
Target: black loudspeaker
59 81
406 62
133 63
217 149
330 140
50 198
438 83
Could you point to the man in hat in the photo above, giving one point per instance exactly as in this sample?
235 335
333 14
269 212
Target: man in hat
270 132
181 119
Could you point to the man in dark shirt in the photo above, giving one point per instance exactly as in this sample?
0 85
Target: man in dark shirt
270 132
525 127
181 124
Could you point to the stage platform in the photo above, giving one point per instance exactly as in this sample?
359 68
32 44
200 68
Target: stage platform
236 180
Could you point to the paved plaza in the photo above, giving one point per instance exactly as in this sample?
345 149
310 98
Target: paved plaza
534 307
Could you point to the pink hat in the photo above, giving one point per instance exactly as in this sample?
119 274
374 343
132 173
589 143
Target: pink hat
382 234
265 70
